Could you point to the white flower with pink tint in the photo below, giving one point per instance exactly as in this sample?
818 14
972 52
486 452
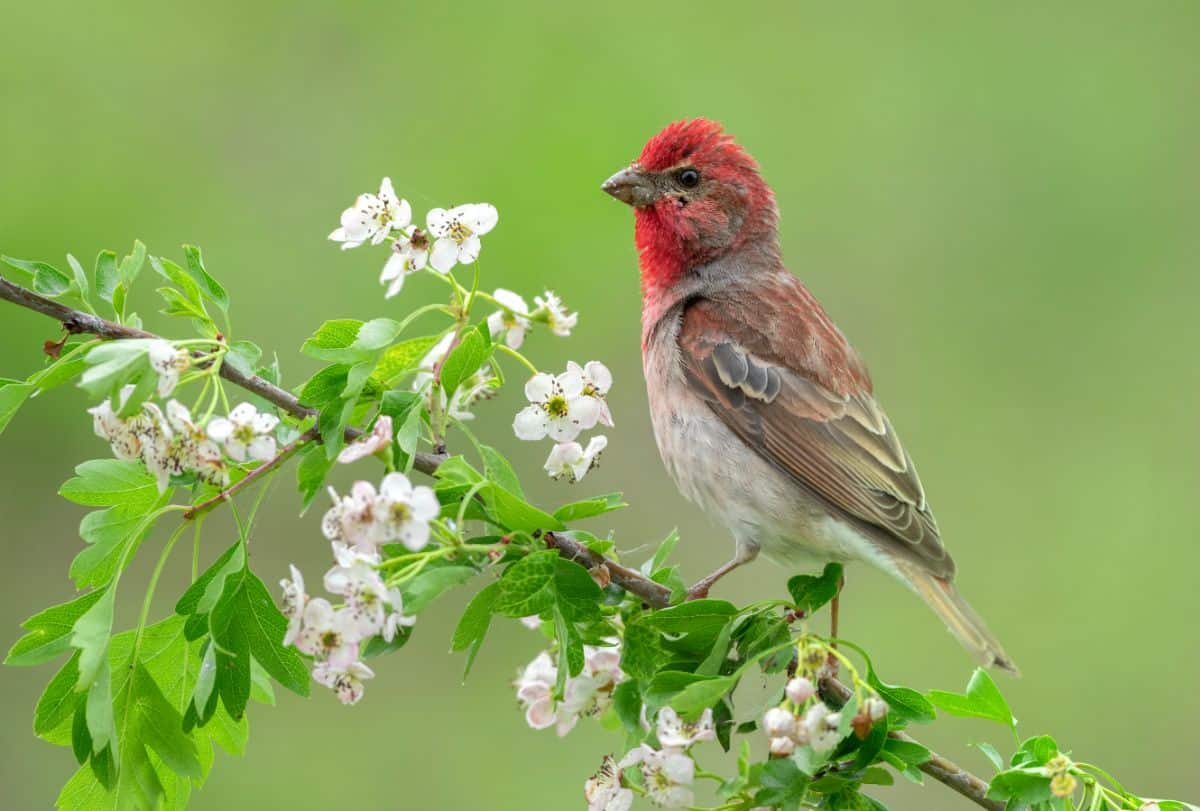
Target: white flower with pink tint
603 790
294 601
366 597
675 733
535 689
346 682
327 634
370 444
597 380
167 362
405 511
668 775
572 461
245 433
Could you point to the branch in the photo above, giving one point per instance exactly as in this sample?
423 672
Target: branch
653 594
254 475
78 322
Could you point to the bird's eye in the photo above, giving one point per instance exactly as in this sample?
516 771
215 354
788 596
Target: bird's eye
689 178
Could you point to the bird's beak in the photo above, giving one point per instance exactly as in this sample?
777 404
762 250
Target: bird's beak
631 186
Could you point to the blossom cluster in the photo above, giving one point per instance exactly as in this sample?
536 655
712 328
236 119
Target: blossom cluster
804 720
357 524
561 407
585 695
175 444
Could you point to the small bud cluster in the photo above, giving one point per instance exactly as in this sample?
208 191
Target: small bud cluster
561 408
802 719
173 444
357 524
1062 782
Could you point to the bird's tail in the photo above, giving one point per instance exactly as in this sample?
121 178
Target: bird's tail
967 626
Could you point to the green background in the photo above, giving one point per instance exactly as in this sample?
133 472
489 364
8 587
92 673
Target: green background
997 202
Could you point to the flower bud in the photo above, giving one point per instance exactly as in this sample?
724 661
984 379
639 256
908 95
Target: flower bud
800 690
782 747
779 723
1063 784
875 708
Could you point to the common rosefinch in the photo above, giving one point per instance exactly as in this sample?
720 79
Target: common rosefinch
763 412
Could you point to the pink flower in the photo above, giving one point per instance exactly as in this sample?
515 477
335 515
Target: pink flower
379 439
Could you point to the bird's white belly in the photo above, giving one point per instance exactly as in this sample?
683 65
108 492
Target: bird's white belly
763 508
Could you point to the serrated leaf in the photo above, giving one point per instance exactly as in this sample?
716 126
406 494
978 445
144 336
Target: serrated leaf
578 595
473 626
527 587
49 631
513 513
642 654
351 342
205 590
402 357
696 624
210 288
131 264
107 482
58 703
809 593
90 634
107 276
500 470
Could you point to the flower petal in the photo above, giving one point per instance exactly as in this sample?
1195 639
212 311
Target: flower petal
468 251
481 217
444 255
540 387
530 423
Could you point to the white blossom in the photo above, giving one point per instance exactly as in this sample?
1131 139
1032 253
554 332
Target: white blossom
245 433
370 444
603 790
511 321
396 618
800 690
675 733
167 362
668 775
597 380
875 708
820 725
397 512
551 310
588 694
294 600
782 747
572 460
328 634
366 596
458 231
410 253
346 682
372 217
557 408
351 519
535 689
779 723
195 452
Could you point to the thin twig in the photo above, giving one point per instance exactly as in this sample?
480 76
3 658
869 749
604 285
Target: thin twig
77 322
254 475
653 594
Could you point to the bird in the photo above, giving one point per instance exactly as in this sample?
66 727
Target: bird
763 413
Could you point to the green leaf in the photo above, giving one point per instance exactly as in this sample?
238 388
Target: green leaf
244 356
113 364
982 700
180 306
711 666
578 595
245 623
809 593
107 276
81 278
499 470
696 624
49 631
402 357
663 552
590 508
203 593
627 702
109 535
210 288
903 702
107 482
1035 751
13 394
432 583
47 280
1019 788
351 342
58 703
472 352
700 695
783 785
311 472
98 712
132 264
325 387
642 654
515 514
528 586
474 623
90 634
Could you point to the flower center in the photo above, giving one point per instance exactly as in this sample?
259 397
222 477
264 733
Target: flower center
331 640
556 406
401 513
459 231
244 433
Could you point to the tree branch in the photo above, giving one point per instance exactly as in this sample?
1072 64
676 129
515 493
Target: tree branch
654 594
78 322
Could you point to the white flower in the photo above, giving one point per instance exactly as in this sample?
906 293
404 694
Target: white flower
406 511
533 622
410 253
570 459
800 690
167 362
396 618
458 231
245 433
603 790
597 380
379 439
365 594
162 455
352 519
124 435
675 733
327 634
512 320
372 217
294 600
782 747
535 690
557 408
195 451
347 682
551 310
779 723
668 775
820 725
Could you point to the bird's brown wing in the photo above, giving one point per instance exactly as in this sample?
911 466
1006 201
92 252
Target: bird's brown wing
838 445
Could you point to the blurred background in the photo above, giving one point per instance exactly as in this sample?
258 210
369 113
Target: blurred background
997 202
